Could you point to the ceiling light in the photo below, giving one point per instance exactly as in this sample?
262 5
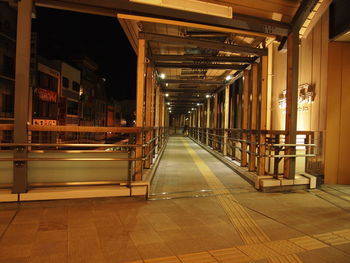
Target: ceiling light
228 77
166 84
166 94
162 76
207 96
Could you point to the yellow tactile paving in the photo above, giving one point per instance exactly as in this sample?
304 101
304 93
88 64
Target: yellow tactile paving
284 247
285 259
332 239
229 255
202 257
258 251
308 243
163 260
343 233
249 231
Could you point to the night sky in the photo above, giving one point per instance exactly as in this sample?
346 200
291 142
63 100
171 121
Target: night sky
63 34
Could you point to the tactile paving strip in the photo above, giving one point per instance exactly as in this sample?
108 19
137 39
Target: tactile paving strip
284 247
258 251
308 243
203 257
332 239
229 255
285 259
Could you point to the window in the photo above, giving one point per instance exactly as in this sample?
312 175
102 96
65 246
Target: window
76 86
72 107
9 66
65 82
7 103
48 82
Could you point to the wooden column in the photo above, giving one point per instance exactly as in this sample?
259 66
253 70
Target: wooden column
245 118
263 115
292 101
253 123
226 116
199 109
22 92
140 94
208 122
215 121
148 107
156 115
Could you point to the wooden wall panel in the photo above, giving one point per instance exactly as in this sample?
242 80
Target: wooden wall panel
333 114
344 150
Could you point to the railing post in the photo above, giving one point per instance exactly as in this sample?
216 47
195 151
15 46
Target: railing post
22 94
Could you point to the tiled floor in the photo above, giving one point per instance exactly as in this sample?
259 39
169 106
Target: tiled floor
230 222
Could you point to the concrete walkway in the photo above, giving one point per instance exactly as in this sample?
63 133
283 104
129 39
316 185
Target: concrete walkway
203 212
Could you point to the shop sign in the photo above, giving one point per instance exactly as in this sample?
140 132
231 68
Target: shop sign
43 122
46 95
306 96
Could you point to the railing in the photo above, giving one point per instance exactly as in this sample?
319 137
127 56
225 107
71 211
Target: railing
264 152
115 155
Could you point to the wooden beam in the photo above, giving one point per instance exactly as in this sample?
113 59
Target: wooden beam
140 99
148 104
191 81
292 101
199 66
263 115
245 118
201 43
253 121
204 58
226 117
305 8
22 94
208 121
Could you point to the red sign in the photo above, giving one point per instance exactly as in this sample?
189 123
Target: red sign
46 95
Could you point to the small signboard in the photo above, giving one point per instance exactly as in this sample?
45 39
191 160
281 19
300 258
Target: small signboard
43 122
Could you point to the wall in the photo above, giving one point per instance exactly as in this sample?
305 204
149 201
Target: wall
338 110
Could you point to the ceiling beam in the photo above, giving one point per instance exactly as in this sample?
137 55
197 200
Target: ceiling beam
201 43
192 81
239 24
305 8
189 91
206 58
199 66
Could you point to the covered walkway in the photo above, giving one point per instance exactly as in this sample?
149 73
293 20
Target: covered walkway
202 212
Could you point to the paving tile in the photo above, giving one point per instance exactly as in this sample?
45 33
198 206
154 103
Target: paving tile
154 250
229 255
345 233
203 257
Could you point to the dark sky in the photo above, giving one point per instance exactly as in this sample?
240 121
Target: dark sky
64 34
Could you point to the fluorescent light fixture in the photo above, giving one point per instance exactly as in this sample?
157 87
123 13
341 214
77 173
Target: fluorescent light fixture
162 76
191 6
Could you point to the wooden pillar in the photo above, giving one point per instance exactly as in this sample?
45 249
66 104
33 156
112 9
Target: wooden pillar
140 94
22 92
226 116
215 121
208 122
199 123
245 118
263 115
253 123
156 115
148 107
292 101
